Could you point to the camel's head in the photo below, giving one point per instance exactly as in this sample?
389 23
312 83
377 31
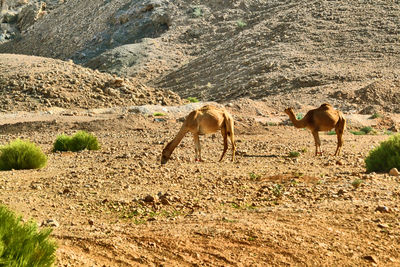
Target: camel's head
165 155
289 111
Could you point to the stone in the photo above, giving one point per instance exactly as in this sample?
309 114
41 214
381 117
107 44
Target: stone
370 258
148 199
382 209
51 223
394 172
164 201
66 191
383 225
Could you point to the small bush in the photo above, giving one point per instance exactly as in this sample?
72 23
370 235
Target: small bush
22 244
197 12
385 156
294 154
367 129
192 99
375 116
241 24
158 114
254 176
21 155
363 131
331 133
299 116
357 182
79 141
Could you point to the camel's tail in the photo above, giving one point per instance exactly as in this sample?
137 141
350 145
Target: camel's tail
230 132
341 124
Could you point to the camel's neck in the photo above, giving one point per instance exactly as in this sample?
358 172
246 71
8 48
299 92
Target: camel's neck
175 142
298 123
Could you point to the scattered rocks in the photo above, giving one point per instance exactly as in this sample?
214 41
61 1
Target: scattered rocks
69 86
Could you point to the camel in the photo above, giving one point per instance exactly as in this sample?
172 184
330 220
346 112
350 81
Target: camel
323 118
206 120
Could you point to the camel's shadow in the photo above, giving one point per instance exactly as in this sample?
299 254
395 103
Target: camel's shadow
261 156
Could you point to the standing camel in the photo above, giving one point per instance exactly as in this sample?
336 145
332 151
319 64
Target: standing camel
206 120
323 118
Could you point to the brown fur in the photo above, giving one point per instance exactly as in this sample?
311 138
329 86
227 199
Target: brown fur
206 120
323 118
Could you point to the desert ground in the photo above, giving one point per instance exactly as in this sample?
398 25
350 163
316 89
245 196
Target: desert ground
120 207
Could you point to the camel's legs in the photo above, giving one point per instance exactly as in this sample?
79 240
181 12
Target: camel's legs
223 132
233 146
197 148
339 134
317 143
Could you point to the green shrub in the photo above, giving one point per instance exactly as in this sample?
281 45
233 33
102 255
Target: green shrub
158 114
385 156
192 99
363 131
367 129
294 154
331 133
22 244
241 24
197 12
299 116
375 116
357 182
21 155
79 141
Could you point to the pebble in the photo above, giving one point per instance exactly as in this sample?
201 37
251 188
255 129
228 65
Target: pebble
370 258
394 172
383 225
51 223
148 198
382 209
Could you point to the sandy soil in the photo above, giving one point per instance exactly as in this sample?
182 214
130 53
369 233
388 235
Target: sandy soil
119 207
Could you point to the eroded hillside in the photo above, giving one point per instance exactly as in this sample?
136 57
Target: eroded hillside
226 50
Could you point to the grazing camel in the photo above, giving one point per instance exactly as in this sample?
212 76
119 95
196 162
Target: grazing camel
206 120
323 118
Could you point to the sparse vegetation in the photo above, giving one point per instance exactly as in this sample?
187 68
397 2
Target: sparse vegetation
158 114
21 154
385 156
363 131
294 154
197 12
79 141
240 23
299 116
331 133
254 176
192 99
22 244
375 116
277 190
357 182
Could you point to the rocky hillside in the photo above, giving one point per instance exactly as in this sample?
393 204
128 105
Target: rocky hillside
34 83
226 50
